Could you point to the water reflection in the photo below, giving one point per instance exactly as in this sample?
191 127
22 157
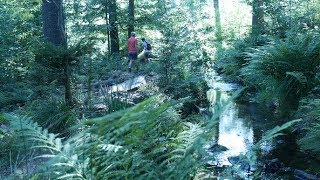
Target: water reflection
234 133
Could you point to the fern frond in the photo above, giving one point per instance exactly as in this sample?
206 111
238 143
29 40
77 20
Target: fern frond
72 176
276 131
148 140
299 76
285 70
309 110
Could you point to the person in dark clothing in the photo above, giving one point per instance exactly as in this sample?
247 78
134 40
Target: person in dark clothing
146 49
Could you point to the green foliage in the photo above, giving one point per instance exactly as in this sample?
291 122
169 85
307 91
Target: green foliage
146 141
281 16
3 120
143 132
175 65
28 139
150 140
21 27
52 114
231 60
50 60
13 95
15 146
97 67
183 45
81 18
309 110
284 70
291 14
6 137
276 131
194 89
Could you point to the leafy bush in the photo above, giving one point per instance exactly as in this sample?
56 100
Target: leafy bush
53 114
231 60
195 90
184 52
5 135
14 95
285 69
14 153
146 141
309 110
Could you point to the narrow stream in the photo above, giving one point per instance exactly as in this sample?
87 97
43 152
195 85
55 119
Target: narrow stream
235 134
240 127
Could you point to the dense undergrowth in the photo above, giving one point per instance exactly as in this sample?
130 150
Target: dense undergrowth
44 138
283 75
157 131
148 140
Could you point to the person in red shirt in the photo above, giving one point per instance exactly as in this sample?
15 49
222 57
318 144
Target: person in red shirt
132 49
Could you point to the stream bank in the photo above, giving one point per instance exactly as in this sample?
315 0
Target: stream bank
240 127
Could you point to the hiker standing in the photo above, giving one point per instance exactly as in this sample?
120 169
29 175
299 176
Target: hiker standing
146 49
132 49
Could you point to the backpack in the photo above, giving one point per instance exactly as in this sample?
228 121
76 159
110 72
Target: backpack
149 46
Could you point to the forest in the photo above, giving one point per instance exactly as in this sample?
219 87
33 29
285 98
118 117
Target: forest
229 90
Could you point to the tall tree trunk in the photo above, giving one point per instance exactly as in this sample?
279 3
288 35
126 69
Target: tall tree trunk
108 26
114 33
54 32
257 17
131 17
53 22
217 21
67 84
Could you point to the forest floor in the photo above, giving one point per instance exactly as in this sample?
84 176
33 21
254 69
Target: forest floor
120 90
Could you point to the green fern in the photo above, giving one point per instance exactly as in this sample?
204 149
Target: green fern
47 144
285 69
274 132
309 110
147 141
53 114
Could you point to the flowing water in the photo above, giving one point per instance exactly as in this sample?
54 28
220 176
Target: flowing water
235 134
240 127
